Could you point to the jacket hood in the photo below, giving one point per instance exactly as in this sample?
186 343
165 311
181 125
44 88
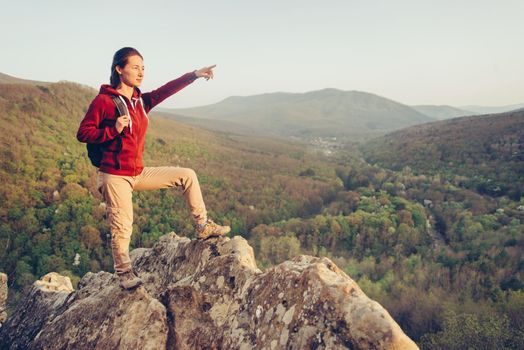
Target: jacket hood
107 89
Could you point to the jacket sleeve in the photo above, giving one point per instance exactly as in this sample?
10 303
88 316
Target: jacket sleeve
90 130
153 98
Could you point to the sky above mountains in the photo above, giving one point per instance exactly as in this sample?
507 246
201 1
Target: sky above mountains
415 52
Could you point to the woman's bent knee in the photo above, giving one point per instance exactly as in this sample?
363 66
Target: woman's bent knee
188 173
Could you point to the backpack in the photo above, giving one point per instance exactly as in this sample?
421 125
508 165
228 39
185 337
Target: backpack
96 150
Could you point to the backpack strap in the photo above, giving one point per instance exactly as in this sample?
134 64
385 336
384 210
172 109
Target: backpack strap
122 110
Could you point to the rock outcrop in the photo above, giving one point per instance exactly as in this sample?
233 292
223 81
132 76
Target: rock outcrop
3 297
206 295
45 298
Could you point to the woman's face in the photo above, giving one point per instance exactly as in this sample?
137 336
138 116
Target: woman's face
133 73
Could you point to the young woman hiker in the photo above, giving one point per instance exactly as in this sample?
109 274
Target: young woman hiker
119 140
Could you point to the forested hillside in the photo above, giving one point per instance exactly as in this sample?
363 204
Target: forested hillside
485 152
445 258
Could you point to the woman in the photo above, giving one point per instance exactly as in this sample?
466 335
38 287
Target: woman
121 143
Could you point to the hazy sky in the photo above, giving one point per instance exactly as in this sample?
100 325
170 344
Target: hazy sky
415 52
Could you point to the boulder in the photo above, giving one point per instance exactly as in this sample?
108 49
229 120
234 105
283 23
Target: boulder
43 300
100 315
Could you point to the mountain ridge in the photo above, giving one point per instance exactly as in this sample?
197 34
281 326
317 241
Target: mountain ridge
9 79
441 112
493 109
325 112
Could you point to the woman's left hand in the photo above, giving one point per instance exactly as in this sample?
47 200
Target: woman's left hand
206 72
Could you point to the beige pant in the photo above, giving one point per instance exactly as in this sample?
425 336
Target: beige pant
117 191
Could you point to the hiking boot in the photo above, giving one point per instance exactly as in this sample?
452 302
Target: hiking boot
211 229
129 280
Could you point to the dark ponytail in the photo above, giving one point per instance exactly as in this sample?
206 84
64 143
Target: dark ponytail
120 59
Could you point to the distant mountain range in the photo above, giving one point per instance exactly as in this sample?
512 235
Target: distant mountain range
327 112
442 112
448 112
490 110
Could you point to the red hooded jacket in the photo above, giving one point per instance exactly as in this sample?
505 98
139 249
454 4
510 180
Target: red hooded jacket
98 125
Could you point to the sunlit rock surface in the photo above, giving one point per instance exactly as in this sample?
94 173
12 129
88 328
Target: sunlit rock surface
3 297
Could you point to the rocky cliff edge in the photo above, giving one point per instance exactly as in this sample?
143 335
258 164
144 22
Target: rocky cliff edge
204 294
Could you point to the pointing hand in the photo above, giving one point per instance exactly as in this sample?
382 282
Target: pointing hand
206 72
